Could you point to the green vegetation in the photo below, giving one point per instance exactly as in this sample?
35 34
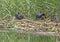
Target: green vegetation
27 7
24 37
